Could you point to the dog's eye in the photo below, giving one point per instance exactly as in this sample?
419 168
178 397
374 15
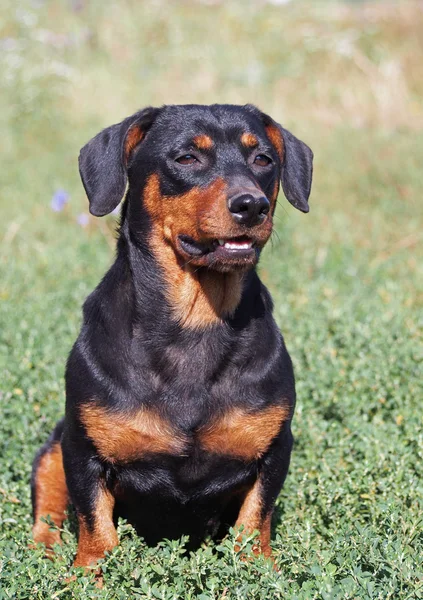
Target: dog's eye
262 160
186 159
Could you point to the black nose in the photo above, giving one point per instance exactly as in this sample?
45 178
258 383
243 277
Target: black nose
248 209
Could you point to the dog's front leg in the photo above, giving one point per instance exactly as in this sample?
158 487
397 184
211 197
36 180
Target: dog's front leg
97 533
258 503
93 503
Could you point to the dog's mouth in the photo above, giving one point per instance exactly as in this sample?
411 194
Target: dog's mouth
238 247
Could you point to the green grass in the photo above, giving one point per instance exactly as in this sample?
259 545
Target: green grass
346 279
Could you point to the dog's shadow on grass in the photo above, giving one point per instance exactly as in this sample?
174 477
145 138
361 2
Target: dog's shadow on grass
277 518
71 527
71 523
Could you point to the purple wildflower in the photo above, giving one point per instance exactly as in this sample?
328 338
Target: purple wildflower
83 219
60 197
77 5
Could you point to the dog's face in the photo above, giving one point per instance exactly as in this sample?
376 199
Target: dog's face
206 176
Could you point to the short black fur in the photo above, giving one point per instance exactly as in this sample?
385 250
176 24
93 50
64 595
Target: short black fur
133 354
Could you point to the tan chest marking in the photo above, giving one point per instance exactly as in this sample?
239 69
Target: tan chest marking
244 435
124 438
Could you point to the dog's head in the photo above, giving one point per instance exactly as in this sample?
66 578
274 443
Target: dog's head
207 177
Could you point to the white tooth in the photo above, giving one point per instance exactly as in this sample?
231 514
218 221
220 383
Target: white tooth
237 245
221 242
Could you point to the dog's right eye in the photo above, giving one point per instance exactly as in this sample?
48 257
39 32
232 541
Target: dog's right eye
186 159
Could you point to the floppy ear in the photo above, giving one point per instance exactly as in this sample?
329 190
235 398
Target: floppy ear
297 164
103 162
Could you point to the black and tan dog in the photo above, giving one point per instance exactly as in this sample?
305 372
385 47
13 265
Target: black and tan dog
180 391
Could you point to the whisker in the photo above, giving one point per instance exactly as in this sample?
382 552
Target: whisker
272 239
274 232
283 208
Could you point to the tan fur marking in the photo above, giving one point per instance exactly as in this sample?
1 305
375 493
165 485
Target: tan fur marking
249 140
198 298
244 435
51 496
250 516
203 142
124 438
250 511
275 137
94 542
133 138
201 299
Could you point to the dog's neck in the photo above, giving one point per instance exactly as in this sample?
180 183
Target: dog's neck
197 298
200 297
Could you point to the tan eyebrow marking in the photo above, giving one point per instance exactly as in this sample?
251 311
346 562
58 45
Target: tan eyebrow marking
203 142
249 140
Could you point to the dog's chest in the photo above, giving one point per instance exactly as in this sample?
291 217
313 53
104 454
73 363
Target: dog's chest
238 433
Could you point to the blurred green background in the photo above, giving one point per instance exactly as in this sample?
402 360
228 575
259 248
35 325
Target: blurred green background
347 78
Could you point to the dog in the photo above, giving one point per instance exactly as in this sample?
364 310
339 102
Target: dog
179 389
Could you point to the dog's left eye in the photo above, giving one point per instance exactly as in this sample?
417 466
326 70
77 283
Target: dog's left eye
186 159
262 160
